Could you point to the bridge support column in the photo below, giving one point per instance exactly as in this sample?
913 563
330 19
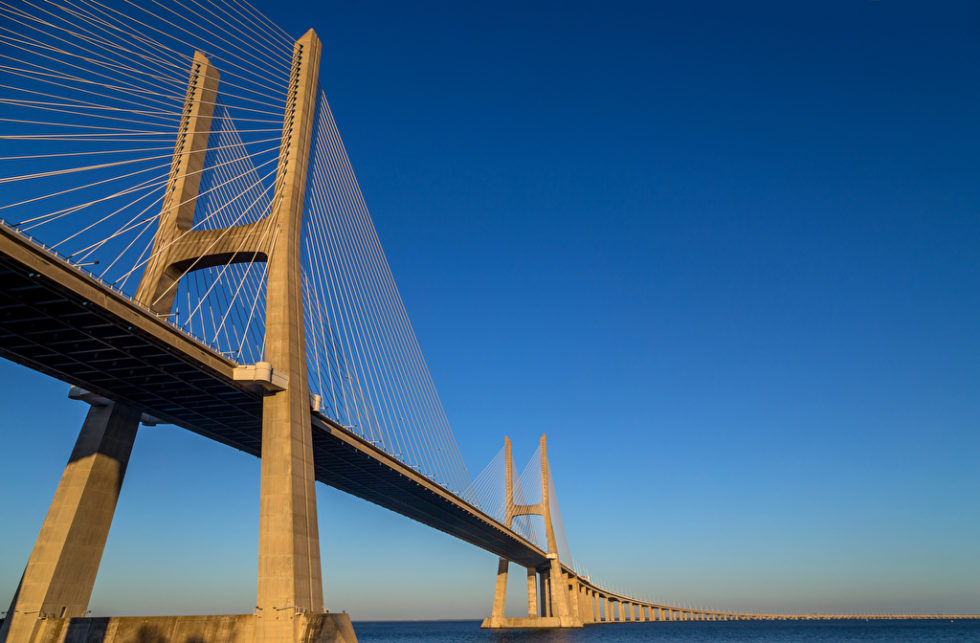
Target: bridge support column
571 593
532 592
559 594
61 571
585 606
500 591
570 598
545 595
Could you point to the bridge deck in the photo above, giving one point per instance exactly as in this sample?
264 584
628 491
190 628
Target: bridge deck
57 319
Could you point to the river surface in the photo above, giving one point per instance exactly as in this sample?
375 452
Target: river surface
682 632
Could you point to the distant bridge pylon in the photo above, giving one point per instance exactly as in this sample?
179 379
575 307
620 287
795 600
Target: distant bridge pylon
559 597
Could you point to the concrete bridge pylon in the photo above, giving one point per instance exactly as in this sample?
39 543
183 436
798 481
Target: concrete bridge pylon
560 604
52 598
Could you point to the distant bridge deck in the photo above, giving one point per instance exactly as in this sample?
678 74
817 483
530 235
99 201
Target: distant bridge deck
59 320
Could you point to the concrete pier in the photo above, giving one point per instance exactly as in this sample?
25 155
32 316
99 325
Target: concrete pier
61 571
532 592
231 628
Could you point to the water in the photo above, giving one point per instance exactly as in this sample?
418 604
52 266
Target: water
683 632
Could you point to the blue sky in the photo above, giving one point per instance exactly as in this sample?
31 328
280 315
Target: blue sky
725 256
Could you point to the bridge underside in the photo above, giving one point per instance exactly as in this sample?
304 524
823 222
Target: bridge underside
58 320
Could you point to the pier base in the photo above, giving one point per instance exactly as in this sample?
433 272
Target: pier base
527 623
226 628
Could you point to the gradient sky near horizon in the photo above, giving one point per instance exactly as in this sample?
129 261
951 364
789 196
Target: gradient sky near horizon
727 255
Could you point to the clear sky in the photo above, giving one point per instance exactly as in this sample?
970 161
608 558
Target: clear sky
724 254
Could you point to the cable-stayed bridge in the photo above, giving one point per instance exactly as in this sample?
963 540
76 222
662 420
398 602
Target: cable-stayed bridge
184 241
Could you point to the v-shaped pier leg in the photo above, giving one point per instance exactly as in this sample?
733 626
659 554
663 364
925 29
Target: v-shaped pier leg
61 571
